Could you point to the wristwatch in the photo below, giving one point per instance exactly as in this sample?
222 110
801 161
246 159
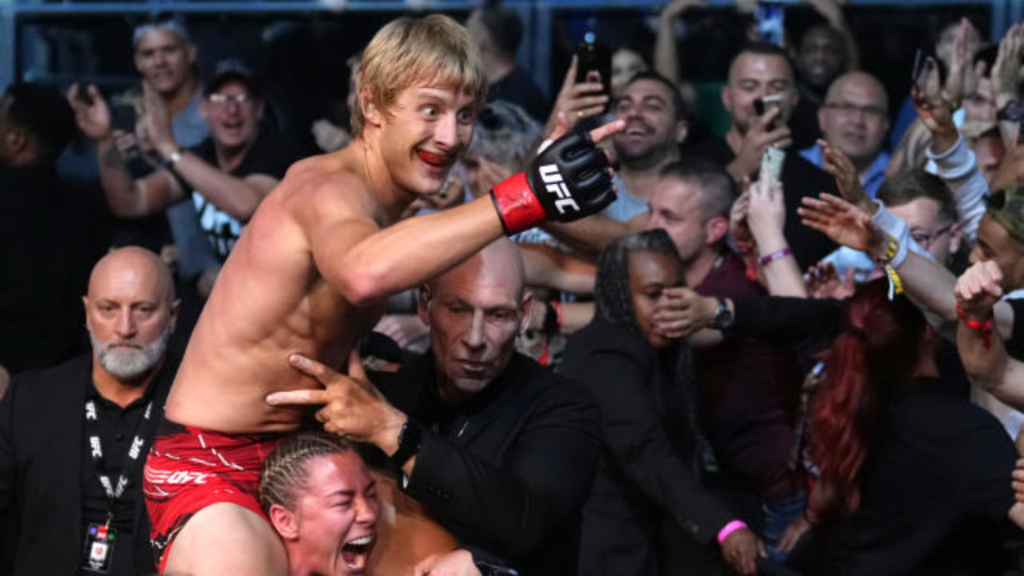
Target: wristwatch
409 441
723 316
1012 112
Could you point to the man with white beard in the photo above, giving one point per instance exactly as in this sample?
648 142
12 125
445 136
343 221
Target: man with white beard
73 438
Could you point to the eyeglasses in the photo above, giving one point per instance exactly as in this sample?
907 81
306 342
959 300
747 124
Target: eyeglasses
241 99
925 239
848 109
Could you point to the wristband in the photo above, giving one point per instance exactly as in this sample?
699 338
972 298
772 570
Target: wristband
517 205
895 282
777 255
729 529
899 233
985 328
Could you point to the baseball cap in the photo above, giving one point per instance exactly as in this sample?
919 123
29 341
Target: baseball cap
231 69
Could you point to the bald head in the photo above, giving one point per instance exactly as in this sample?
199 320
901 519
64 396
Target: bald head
474 312
855 116
860 82
499 263
136 263
130 313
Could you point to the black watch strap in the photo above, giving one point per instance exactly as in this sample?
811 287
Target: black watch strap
409 441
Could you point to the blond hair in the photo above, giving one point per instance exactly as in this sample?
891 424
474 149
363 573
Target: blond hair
433 49
284 472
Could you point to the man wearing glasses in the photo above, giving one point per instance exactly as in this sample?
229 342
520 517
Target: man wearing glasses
855 120
225 176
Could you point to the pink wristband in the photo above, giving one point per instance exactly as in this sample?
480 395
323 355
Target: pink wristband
729 529
766 260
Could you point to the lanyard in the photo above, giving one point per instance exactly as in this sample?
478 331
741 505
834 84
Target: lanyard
96 451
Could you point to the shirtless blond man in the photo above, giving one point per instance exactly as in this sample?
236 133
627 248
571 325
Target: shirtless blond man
310 274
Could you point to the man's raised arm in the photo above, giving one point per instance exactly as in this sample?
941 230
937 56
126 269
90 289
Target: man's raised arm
567 181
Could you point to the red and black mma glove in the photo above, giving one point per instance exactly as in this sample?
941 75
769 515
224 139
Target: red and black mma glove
567 181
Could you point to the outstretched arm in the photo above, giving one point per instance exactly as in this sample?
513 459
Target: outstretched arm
983 353
550 267
930 284
367 263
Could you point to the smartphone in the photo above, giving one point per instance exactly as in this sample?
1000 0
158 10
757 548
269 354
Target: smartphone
594 57
765 104
770 18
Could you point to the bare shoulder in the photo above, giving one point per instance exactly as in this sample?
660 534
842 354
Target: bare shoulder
326 188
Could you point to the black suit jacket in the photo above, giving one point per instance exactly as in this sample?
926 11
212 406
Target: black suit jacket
506 473
646 472
41 453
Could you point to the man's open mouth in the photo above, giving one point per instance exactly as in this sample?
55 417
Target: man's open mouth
355 552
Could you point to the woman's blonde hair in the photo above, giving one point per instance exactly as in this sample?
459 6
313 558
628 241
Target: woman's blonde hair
283 474
434 49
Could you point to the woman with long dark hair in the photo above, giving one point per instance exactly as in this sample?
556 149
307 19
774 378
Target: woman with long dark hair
647 500
913 479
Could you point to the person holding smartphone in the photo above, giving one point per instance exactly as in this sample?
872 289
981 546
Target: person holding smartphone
758 71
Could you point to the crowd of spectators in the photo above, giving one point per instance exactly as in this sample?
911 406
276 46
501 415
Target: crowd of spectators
791 345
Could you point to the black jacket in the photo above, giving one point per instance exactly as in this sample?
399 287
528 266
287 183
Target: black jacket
41 452
506 473
647 466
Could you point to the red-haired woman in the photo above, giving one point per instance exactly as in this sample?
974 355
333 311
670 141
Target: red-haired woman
913 479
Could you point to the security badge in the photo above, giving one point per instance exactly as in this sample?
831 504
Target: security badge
99 548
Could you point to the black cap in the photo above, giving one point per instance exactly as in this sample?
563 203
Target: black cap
231 69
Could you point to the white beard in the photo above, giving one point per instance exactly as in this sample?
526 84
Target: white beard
129 363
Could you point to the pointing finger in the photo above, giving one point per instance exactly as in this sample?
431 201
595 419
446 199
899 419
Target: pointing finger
298 397
601 132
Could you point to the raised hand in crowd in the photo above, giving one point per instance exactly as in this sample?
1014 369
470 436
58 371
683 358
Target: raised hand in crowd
843 222
979 341
978 290
842 169
156 121
1006 74
935 101
823 282
766 215
764 131
666 50
92 114
766 218
577 100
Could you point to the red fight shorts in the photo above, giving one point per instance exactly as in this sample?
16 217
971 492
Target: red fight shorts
189 469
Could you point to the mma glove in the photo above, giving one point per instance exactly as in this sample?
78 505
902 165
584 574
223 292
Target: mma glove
567 181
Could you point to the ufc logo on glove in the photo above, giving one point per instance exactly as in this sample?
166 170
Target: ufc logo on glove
555 184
